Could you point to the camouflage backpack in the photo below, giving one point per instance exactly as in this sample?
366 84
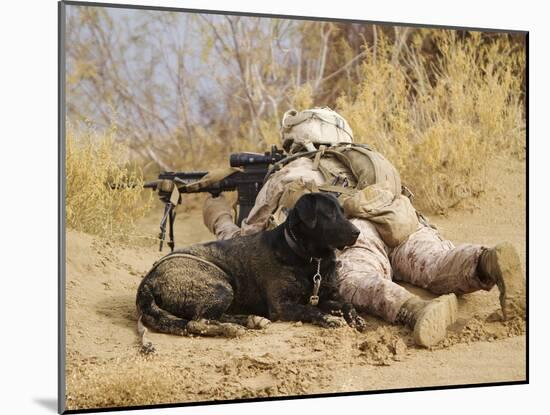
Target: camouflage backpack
368 185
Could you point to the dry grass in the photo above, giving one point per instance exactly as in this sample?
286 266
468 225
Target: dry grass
438 116
440 124
93 163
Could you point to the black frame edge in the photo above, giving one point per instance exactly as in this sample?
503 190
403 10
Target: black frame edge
527 276
61 338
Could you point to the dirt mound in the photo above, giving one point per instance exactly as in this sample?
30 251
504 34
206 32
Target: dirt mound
105 368
383 347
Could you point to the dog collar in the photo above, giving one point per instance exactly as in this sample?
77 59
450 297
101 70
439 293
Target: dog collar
292 243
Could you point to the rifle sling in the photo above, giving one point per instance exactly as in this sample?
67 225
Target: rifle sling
171 242
162 234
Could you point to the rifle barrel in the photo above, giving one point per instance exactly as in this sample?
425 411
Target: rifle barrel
151 185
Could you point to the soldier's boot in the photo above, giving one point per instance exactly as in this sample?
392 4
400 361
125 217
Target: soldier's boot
429 319
502 266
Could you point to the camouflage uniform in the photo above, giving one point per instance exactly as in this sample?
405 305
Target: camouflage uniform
367 269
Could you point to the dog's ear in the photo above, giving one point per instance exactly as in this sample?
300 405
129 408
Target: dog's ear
305 209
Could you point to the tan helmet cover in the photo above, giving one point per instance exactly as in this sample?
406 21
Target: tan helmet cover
314 126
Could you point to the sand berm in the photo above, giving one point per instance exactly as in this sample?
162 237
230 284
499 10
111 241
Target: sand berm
105 368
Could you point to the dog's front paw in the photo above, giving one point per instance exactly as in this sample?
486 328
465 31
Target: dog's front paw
232 330
257 322
332 322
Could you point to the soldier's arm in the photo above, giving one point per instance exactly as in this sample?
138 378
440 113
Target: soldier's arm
217 216
270 194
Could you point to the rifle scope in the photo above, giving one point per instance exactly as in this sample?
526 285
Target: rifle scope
250 159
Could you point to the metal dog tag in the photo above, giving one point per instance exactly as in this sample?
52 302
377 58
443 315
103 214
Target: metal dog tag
314 300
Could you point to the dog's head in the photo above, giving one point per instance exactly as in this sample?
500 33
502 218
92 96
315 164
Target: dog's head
318 223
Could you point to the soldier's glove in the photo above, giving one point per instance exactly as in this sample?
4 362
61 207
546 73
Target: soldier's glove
215 212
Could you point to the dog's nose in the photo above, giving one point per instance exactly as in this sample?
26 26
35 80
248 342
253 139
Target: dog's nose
355 233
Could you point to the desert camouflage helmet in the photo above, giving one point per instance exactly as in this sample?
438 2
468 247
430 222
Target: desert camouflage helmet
304 129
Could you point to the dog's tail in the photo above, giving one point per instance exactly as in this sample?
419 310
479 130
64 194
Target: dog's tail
152 316
146 346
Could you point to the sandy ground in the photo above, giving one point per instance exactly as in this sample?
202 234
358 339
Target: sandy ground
105 369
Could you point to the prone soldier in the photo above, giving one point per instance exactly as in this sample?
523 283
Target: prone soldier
396 242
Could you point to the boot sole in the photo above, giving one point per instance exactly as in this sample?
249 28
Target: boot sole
510 281
431 326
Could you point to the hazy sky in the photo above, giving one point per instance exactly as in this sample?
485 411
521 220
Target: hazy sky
139 36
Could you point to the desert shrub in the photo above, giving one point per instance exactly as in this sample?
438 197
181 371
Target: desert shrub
440 123
104 194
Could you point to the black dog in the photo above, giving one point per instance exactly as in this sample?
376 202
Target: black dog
286 274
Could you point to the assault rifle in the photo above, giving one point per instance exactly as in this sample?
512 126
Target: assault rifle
246 176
